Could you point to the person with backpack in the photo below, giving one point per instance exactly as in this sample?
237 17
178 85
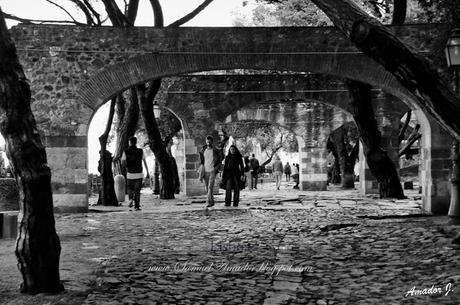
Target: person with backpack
254 169
133 157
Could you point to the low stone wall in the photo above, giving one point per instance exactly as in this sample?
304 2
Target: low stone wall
9 195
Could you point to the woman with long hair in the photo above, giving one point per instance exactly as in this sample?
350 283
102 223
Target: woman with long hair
233 175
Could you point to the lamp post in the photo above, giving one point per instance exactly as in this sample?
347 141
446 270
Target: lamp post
156 173
452 51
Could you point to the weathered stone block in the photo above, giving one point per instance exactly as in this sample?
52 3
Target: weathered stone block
66 141
440 153
66 176
191 166
9 224
9 195
314 185
192 158
70 203
69 188
408 185
191 174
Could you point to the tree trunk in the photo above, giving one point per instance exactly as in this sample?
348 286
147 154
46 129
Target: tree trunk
126 128
107 194
379 163
155 141
37 246
399 12
349 167
335 171
344 155
412 70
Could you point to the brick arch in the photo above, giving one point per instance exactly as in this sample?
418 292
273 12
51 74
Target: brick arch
114 79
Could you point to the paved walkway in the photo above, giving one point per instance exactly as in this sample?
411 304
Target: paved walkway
278 247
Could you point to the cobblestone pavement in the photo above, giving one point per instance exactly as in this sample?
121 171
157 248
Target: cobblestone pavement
285 247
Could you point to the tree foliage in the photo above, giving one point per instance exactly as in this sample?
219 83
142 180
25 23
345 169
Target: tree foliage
269 137
305 13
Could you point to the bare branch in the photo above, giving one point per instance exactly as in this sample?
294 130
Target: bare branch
30 21
116 16
191 15
157 13
62 8
404 150
404 128
94 12
85 10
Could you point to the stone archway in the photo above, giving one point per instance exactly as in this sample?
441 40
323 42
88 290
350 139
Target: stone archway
87 66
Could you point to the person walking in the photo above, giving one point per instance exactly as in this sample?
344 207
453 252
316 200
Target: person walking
132 158
295 175
278 171
168 142
247 171
233 176
210 160
254 169
287 171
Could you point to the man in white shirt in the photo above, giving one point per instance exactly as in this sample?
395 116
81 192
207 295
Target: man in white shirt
210 159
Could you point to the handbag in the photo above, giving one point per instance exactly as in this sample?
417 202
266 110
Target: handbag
242 182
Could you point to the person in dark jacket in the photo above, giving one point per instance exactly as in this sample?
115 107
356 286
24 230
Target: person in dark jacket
232 175
133 157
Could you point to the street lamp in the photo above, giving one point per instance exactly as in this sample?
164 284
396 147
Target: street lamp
452 51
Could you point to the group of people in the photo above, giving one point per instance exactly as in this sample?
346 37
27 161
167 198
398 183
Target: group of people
237 172
279 169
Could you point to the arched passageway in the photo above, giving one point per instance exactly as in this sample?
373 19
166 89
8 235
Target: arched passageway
169 128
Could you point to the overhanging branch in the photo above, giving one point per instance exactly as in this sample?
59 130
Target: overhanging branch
191 15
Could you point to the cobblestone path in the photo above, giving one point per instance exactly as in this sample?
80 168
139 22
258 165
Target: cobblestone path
286 247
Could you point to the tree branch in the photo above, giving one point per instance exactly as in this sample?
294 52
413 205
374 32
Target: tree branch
157 13
131 12
191 15
404 150
31 21
116 16
85 10
62 8
93 11
404 128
